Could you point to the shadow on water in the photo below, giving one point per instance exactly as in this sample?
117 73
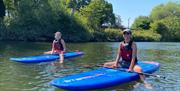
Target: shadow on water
35 77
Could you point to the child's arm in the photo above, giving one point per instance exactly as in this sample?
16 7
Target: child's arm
63 44
118 56
52 50
134 55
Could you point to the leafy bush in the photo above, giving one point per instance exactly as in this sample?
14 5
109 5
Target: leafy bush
168 28
146 35
113 34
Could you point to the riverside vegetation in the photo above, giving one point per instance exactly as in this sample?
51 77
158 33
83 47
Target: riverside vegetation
83 21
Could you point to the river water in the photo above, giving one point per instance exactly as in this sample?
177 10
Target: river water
36 77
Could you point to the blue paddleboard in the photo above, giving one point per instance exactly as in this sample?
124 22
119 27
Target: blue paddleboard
45 58
102 77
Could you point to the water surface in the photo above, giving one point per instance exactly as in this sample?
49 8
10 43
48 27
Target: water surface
36 77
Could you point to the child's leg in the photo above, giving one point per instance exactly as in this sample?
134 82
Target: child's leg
142 77
139 70
48 52
61 55
109 64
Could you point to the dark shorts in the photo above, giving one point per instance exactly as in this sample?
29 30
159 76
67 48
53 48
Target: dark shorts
59 51
125 64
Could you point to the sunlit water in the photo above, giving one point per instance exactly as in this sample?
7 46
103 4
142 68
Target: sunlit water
36 77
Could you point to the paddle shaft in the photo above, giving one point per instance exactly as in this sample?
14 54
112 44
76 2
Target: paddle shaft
142 73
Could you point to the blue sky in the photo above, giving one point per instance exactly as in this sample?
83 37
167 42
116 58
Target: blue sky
131 9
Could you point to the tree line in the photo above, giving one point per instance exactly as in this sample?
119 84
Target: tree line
82 20
164 20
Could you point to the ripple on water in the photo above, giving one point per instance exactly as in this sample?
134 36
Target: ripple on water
35 77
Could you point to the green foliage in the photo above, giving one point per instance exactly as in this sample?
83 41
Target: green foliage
77 4
162 11
139 35
98 36
108 34
142 22
118 22
169 28
82 3
160 28
38 20
113 34
11 7
2 9
164 20
167 21
97 13
173 25
2 28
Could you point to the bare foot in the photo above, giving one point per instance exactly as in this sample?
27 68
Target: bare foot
61 61
86 66
55 63
76 50
136 85
147 85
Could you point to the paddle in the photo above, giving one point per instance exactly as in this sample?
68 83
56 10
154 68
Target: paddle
125 70
147 74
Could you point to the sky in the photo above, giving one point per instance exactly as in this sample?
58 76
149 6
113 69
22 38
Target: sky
131 9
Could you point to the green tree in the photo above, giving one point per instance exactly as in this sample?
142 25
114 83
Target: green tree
118 22
11 7
2 14
97 13
83 3
34 20
173 25
76 5
160 28
165 10
142 22
167 21
2 9
168 27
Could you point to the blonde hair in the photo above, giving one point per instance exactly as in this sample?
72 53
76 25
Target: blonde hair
58 32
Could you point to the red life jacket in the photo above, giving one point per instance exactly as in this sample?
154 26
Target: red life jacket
58 45
126 51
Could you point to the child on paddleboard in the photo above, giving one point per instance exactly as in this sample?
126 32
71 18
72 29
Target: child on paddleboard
127 52
58 46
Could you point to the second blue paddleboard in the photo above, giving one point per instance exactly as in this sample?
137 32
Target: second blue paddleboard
45 58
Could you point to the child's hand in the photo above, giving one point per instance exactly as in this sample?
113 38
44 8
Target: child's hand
115 65
51 52
130 70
